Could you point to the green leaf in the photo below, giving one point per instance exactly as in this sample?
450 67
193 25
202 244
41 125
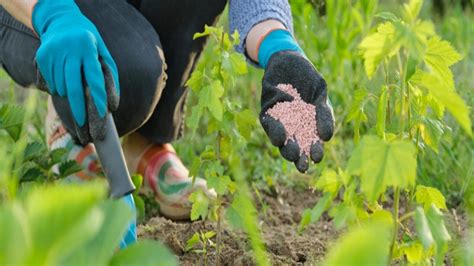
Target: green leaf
439 56
200 205
238 63
195 167
381 164
137 180
13 229
245 122
196 81
68 168
368 245
387 16
356 111
100 249
411 10
207 31
219 183
11 120
210 96
311 216
343 214
57 155
378 46
31 173
432 230
61 219
192 242
140 206
445 95
329 182
431 131
427 196
382 113
144 253
413 251
33 150
193 120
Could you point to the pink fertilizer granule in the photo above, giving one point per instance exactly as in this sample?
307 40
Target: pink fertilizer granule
298 118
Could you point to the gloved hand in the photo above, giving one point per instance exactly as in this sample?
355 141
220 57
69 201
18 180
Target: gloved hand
130 236
284 63
72 57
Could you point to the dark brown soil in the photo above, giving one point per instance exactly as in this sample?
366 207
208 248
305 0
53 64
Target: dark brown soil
279 219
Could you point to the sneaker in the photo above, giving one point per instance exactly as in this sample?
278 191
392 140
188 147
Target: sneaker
166 176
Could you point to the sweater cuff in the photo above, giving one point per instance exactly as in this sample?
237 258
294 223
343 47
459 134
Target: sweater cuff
244 14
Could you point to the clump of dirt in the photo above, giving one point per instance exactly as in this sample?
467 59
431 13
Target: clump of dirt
279 217
298 118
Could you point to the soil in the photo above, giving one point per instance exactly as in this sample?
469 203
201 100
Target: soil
279 224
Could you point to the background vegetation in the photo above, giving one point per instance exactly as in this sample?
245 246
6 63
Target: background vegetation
229 147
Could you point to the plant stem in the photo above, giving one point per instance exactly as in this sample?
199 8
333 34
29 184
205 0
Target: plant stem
401 70
396 202
219 208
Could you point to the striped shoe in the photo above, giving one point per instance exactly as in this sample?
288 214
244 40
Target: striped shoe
168 179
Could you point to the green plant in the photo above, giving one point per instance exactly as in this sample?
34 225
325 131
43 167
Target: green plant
71 225
230 126
410 96
201 243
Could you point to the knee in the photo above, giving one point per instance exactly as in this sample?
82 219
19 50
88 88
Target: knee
142 80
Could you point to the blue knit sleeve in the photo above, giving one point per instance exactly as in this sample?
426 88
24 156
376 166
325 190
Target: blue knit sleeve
244 14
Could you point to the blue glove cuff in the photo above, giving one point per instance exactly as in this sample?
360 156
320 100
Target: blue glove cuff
276 41
45 10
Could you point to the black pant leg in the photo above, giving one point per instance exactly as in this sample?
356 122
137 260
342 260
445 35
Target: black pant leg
131 40
176 22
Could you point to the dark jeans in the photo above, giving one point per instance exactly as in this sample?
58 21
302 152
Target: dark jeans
151 42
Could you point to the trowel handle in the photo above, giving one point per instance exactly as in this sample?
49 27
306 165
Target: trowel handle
113 163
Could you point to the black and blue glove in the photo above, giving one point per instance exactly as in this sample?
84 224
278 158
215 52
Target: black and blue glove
75 63
284 63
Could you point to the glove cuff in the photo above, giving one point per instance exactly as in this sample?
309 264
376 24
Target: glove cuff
45 12
276 41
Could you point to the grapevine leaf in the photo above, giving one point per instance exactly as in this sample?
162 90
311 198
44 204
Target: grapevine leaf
207 31
413 251
210 96
382 164
439 56
219 183
432 230
431 131
196 81
192 242
200 205
411 10
343 214
377 46
352 248
427 196
311 216
193 120
245 121
195 166
238 63
329 182
445 95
